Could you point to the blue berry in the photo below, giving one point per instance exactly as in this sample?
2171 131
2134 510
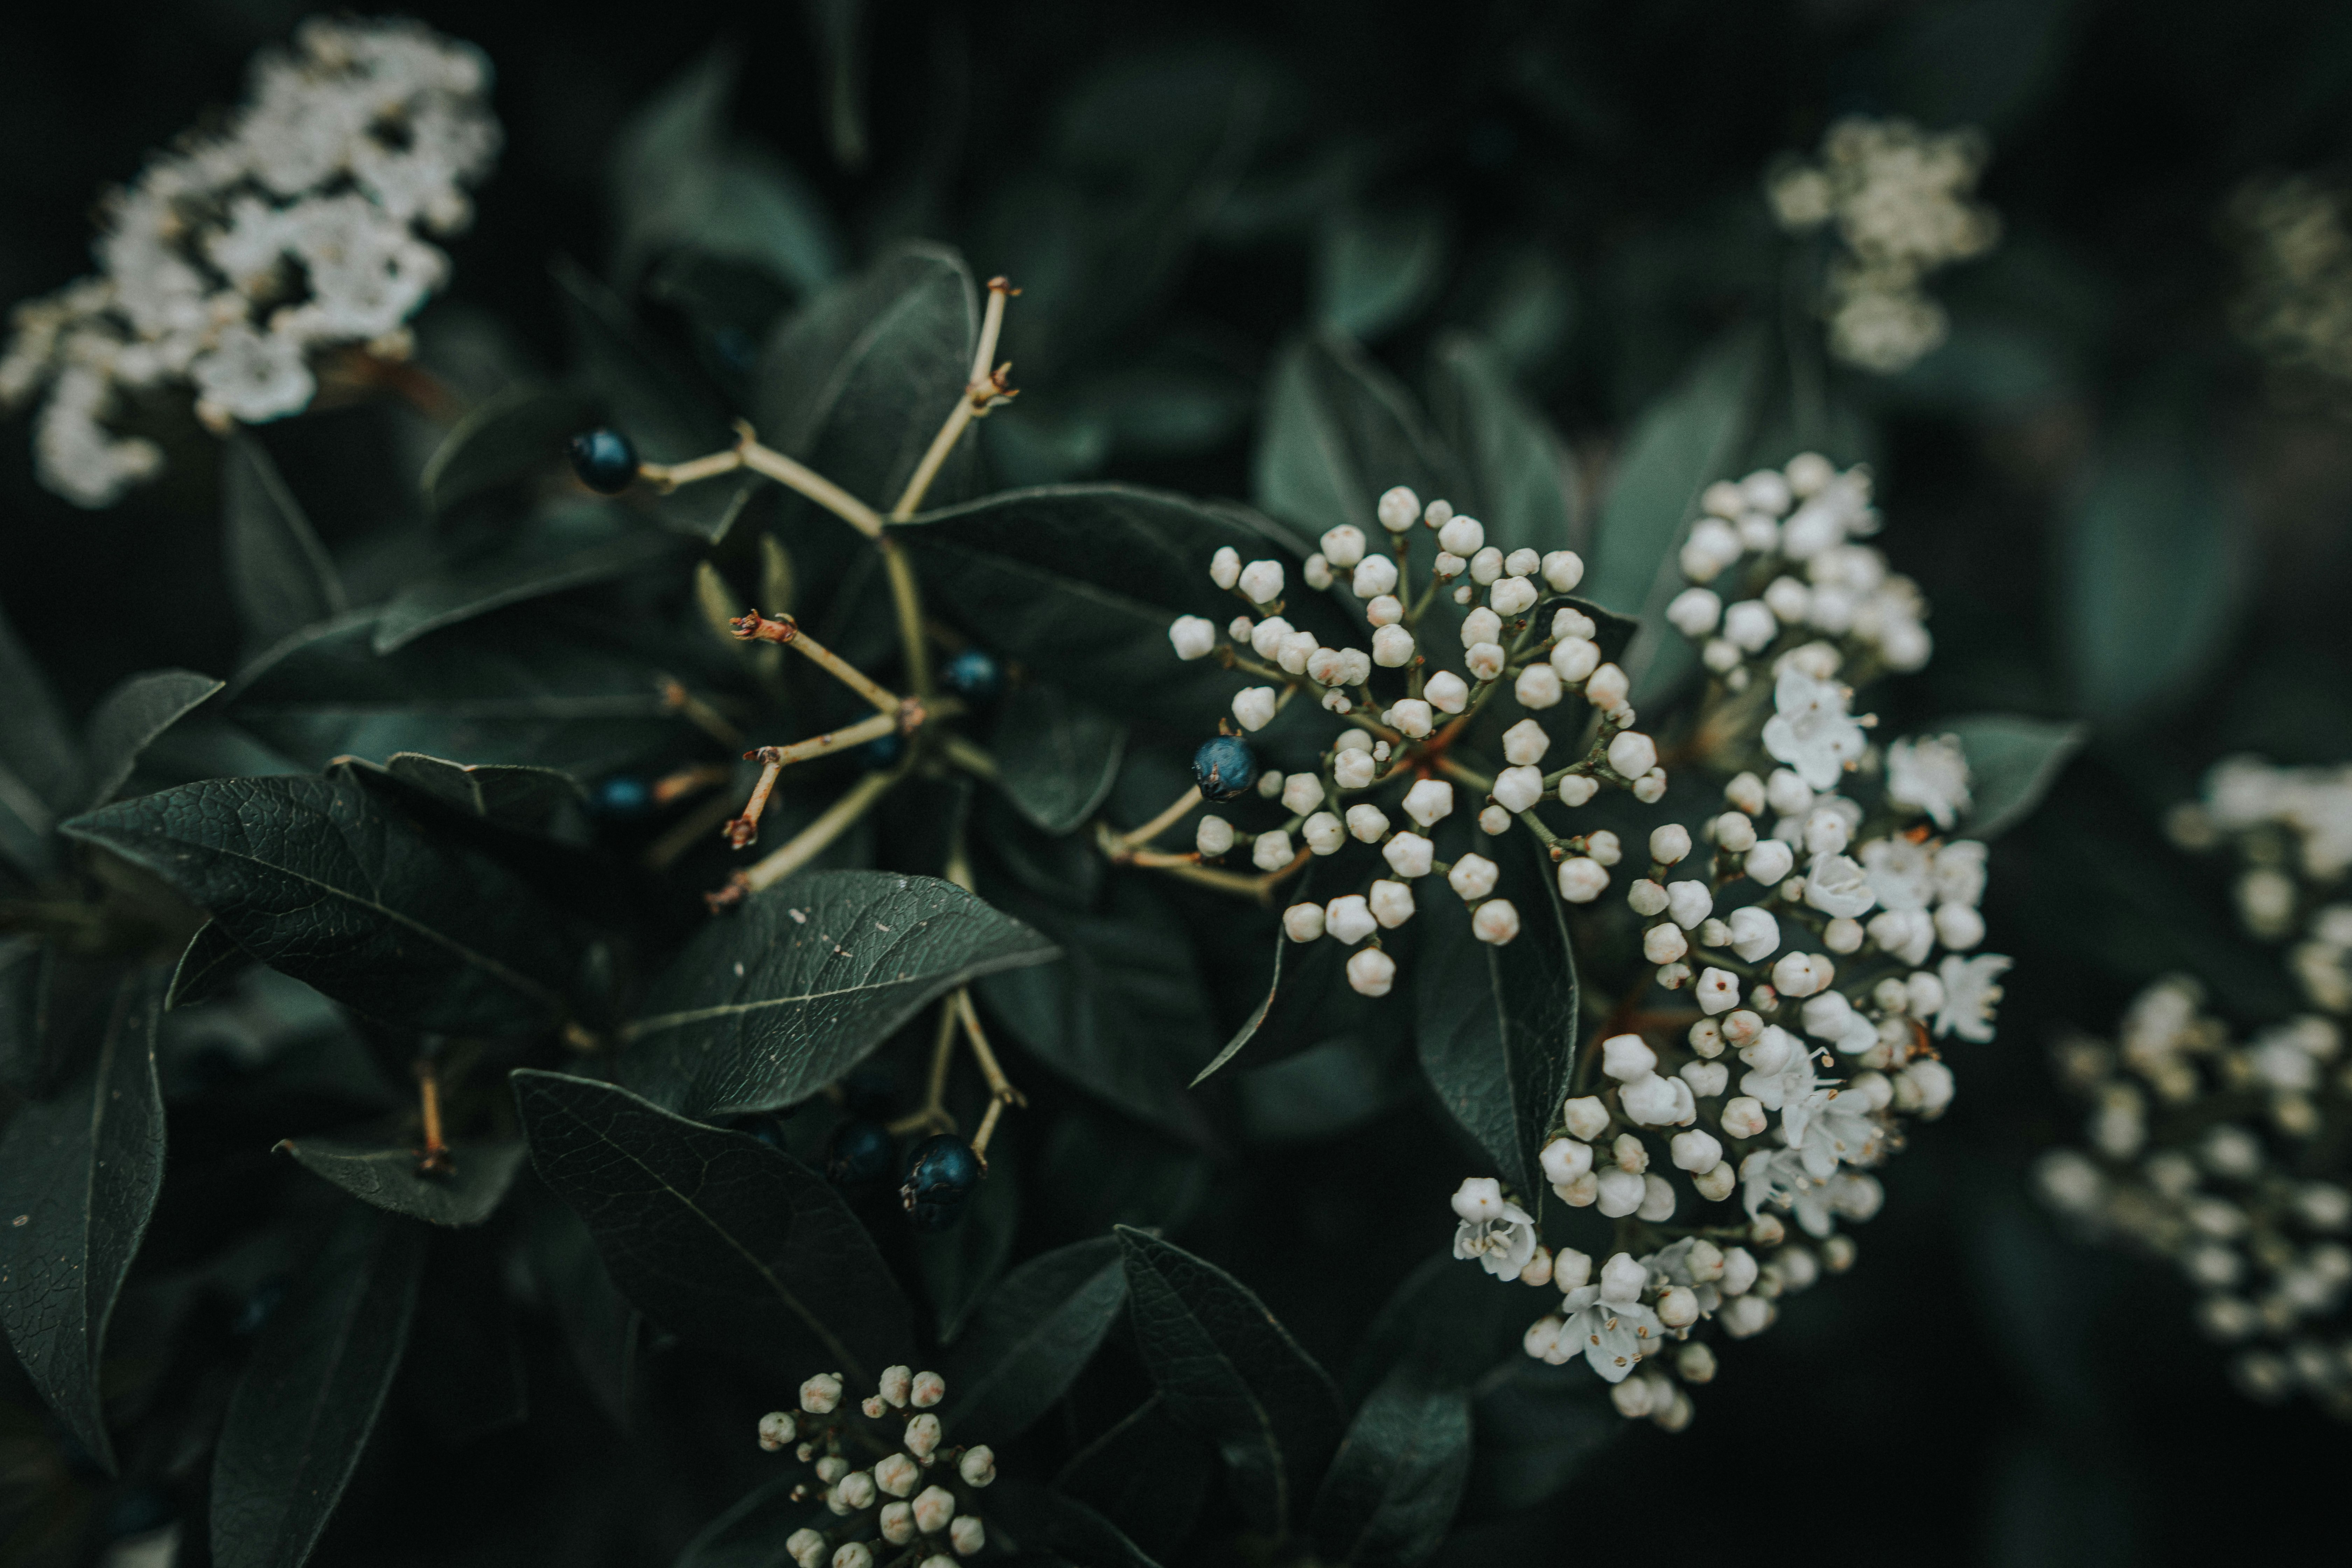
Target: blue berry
604 460
860 1153
973 674
940 1176
1225 767
623 794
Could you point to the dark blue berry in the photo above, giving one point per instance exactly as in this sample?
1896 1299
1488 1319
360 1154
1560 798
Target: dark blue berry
860 1151
604 460
1225 767
940 1175
623 794
973 674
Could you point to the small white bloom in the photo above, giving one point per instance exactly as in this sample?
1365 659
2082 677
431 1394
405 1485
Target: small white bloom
1537 687
1390 904
1495 922
1582 879
1517 789
1272 851
1770 861
1260 582
1688 902
1837 885
1253 707
1626 1058
1350 919
1429 801
1391 647
1193 637
1811 730
1606 687
1971 991
1343 546
1368 822
1412 717
1399 509
1447 692
1575 660
1931 772
1224 568
1512 597
1503 1243
1212 836
1562 569
1693 612
1372 972
1408 854
1375 575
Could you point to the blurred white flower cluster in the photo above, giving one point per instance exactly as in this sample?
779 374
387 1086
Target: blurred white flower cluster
2294 306
2221 1152
1902 200
232 259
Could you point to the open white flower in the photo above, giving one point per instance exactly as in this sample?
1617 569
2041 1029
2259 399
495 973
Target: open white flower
1837 886
1972 990
1502 1244
1810 729
1930 771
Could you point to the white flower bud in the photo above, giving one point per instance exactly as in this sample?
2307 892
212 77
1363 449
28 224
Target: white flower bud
1224 568
1842 935
1358 667
1695 1151
1354 770
1260 582
1447 692
1429 801
1688 902
1582 879
1718 991
1538 1268
1789 599
1495 922
967 1534
1693 612
1562 569
1735 831
1512 597
897 1523
1391 647
1755 934
1565 1159
1494 821
1664 943
1586 1117
1325 666
1212 836
1605 689
934 1506
1628 1151
1269 784
1677 1308
1303 922
1604 847
1537 687
1787 794
978 1466
1253 707
1481 625
1368 822
1399 509
1517 789
856 1489
1958 926
1193 637
1375 575
821 1394
1485 565
1316 570
1294 651
1824 832
1647 897
1649 1101
897 1474
1770 860
1343 546
1576 789
1715 1186
1412 717
1626 1058
1478 1198
1575 660
1620 1192
1749 625
1473 877
1802 974
805 1547
1323 833
1670 842
1449 566
1390 904
1485 661
1408 854
1385 611
1744 1117
1622 1280
1522 562
1464 536
1372 972
1349 919
1631 755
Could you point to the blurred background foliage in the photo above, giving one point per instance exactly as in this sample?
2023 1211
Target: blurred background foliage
2116 514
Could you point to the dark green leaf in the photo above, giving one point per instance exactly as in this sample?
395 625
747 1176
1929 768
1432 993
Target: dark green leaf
1146 1474
838 28
960 1263
1234 1375
280 575
210 961
79 1175
1399 1473
389 1179
26 822
2012 763
2151 569
1682 442
302 1411
1080 581
317 878
1522 480
530 799
665 157
1056 759
1499 1039
1537 1425
521 431
599 1325
1104 1170
1048 1521
715 1235
1450 1317
1325 1090
1374 269
463 1375
782 996
752 1533
132 715
1032 1336
1256 1021
769 216
40 766
526 687
1337 432
566 548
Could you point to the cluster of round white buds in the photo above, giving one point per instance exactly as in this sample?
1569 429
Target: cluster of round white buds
2216 1153
893 1497
1773 563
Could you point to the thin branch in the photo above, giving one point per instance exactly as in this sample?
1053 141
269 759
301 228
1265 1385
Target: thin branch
774 760
785 630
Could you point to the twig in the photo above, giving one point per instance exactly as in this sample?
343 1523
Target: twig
1158 824
783 629
435 1159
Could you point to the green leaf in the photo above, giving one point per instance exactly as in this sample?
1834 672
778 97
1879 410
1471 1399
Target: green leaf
1061 1527
388 1178
2150 569
1033 1337
1684 442
1448 1316
210 963
280 575
664 171
1079 583
565 548
1234 1375
858 381
768 214
1497 1040
530 799
1522 480
318 878
79 1175
2012 763
1373 269
521 431
752 1533
40 766
131 716
1056 759
1325 1090
1256 1021
1538 1426
1399 1473
527 688
958 1264
1337 432
310 1395
716 1235
1146 1474
772 1002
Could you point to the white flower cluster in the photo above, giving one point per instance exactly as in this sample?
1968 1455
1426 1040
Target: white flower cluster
2294 307
232 259
1902 200
1398 741
1773 563
2221 1153
894 1502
